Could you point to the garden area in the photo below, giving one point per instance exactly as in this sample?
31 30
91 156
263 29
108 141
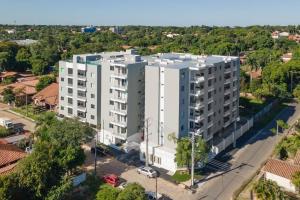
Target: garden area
250 105
183 176
30 111
5 132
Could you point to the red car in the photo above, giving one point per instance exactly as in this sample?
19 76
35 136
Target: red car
111 179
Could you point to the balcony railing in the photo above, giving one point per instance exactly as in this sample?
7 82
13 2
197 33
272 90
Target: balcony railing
197 79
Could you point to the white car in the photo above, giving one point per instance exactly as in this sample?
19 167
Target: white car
147 171
152 196
123 185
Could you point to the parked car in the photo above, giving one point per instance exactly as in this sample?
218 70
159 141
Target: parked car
152 195
100 151
147 171
123 185
111 179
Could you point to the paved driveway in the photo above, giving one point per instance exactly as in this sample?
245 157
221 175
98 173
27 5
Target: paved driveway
21 121
246 160
107 165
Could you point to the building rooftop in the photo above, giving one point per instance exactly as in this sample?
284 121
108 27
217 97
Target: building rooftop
49 94
281 168
182 60
10 154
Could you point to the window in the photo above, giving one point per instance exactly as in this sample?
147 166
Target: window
123 106
209 70
81 93
182 75
92 96
62 98
81 83
70 81
123 130
112 68
92 117
62 79
70 101
81 104
81 114
110 91
92 74
111 103
70 111
61 108
92 106
182 88
70 90
111 125
70 71
182 128
81 73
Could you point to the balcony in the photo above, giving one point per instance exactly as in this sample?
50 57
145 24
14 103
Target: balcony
197 79
210 124
119 87
226 124
197 93
197 119
227 113
196 105
119 76
119 99
119 123
227 102
227 81
119 111
81 108
211 88
227 91
81 77
227 70
211 112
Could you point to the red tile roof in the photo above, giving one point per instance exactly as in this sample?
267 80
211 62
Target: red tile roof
48 94
281 168
7 169
297 158
25 87
10 154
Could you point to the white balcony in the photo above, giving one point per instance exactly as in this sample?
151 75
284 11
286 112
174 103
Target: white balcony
227 81
119 99
197 79
196 106
119 111
119 87
226 124
228 112
119 123
227 102
227 70
227 91
197 93
119 76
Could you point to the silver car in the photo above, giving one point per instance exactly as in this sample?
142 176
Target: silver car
147 171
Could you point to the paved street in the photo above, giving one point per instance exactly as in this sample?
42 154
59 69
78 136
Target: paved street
28 125
246 160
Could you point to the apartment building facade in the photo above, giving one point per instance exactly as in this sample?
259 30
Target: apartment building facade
105 90
185 93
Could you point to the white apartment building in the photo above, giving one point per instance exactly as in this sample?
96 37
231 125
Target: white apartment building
185 93
105 90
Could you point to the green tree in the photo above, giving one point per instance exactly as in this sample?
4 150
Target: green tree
296 92
296 180
39 66
132 191
44 81
184 150
266 189
23 59
107 192
8 95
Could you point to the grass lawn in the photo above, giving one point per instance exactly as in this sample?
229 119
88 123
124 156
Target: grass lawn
182 176
32 113
250 106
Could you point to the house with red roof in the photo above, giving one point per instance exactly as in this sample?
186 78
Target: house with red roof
47 97
281 172
9 157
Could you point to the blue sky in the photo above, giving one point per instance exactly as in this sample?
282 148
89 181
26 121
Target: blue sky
151 12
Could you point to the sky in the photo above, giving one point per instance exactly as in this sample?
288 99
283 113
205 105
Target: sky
151 12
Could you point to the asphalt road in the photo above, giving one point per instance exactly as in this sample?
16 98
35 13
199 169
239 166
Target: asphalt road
247 160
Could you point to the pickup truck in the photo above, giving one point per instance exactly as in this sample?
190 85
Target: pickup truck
6 123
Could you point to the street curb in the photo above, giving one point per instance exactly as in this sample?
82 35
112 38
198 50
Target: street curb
13 112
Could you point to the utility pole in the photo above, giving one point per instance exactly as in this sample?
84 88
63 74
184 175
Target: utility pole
193 158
